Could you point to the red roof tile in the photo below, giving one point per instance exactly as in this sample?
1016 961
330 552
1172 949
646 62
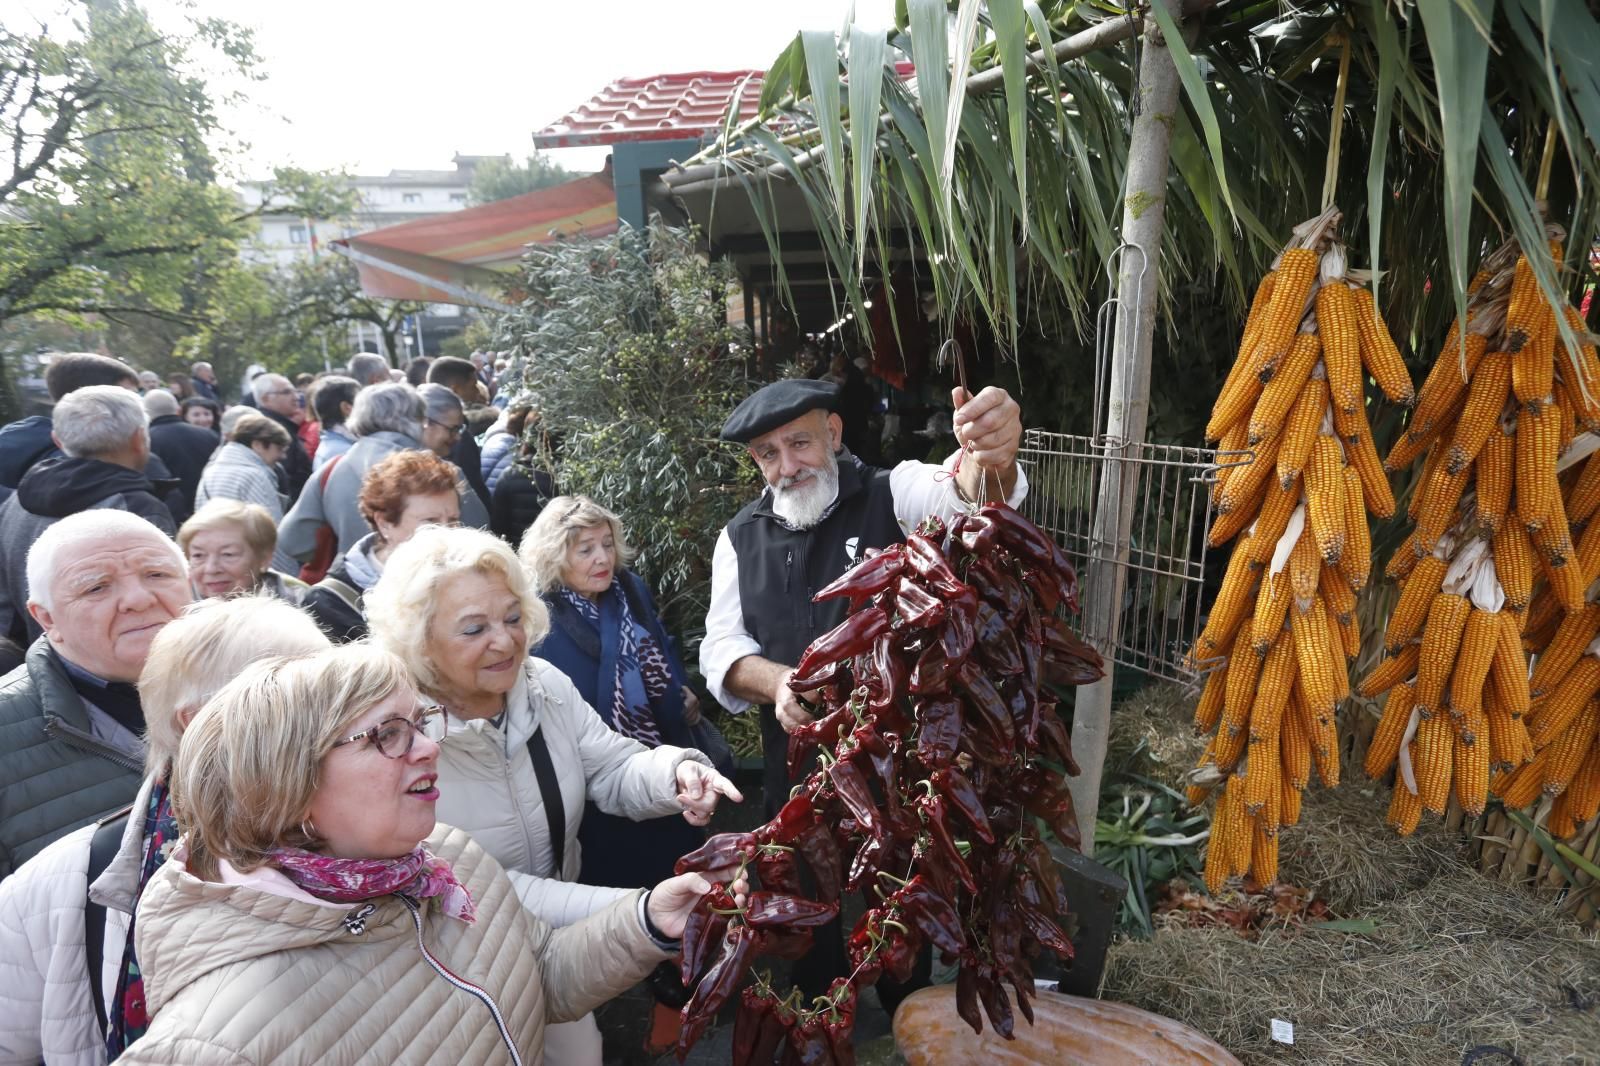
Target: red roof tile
659 108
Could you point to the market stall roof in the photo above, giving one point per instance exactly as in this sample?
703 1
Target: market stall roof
458 257
661 107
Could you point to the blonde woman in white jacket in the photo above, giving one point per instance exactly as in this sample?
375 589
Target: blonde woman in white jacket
457 606
49 1009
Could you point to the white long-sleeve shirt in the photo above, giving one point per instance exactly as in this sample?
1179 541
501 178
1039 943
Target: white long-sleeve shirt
919 489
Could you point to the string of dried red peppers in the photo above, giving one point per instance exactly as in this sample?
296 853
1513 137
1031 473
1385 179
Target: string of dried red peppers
935 723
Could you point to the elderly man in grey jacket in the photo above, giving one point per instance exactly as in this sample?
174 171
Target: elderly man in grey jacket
386 419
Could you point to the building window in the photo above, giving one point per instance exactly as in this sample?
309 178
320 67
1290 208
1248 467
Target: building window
297 235
458 197
411 198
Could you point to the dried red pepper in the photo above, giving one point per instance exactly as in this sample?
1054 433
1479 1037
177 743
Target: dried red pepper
942 844
932 914
719 983
867 578
849 638
765 909
720 851
938 730
930 564
702 931
955 788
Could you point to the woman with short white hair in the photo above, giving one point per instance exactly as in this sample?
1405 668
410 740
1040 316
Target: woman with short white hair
61 1003
458 606
229 545
316 912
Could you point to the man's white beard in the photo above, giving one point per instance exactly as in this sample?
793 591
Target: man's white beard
803 505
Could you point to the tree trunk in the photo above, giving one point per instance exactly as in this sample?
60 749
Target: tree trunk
1127 406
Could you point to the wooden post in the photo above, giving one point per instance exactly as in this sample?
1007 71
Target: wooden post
1143 213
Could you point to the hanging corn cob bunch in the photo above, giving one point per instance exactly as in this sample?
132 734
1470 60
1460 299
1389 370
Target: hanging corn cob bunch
1491 566
1283 624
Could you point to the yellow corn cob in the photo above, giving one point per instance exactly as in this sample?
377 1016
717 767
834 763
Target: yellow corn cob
1300 431
1433 758
1578 629
1264 855
1350 634
1586 375
1569 417
1471 770
1294 743
1233 407
1234 603
1341 345
1279 395
1243 361
1568 750
1533 368
1216 870
1242 511
1296 273
1272 606
1514 564
1583 795
1558 823
1527 309
1584 499
1538 440
1305 568
1378 352
1272 693
1404 559
1385 743
1276 509
1559 557
1589 552
1316 658
1543 617
1441 637
1341 663
1239 852
1520 787
1230 451
1509 671
1245 480
1390 672
1288 798
1324 743
1375 487
1356 559
1509 745
1421 487
1262 775
1547 721
1226 749
1325 497
1411 609
1405 809
1486 398
1337 594
1208 710
1492 474
1310 721
1442 394
1479 639
1438 510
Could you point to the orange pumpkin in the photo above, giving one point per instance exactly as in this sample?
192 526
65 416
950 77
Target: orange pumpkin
1067 1031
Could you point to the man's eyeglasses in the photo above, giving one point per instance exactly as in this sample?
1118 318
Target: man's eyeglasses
393 737
454 431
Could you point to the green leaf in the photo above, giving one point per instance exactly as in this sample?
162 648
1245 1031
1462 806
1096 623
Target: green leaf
1199 94
1386 37
868 53
1546 842
822 66
1460 59
780 76
930 53
1011 35
965 33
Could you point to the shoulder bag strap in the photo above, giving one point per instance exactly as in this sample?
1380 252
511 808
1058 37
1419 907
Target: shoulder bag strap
102 849
550 789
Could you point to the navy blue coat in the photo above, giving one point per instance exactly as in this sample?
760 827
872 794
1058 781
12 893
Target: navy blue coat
618 852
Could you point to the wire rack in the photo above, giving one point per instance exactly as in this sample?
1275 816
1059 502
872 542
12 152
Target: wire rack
1166 564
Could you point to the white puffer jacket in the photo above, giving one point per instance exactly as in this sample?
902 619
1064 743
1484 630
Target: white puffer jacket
488 788
46 1007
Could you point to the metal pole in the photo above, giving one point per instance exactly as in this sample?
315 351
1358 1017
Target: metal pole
1128 404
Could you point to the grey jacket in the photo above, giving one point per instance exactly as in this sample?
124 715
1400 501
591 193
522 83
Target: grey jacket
336 504
236 472
55 775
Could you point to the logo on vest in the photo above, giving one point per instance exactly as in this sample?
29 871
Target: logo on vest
852 550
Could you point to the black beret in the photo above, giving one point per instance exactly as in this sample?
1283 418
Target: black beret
777 404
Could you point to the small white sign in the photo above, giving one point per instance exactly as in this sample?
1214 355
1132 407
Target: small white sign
1282 1031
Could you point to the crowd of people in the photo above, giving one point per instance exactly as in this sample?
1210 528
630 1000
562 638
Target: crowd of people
326 755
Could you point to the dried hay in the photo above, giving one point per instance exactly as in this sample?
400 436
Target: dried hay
1455 961
1152 733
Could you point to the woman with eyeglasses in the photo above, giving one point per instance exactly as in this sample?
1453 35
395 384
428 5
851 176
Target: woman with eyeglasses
229 546
525 753
314 910
398 496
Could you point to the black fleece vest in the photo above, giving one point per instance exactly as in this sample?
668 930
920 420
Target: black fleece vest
780 568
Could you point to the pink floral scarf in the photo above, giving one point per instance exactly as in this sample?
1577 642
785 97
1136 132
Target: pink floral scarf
419 875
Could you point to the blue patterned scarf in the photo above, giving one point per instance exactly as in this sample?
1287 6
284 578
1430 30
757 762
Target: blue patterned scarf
642 671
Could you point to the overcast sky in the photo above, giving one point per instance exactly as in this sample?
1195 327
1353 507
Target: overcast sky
369 86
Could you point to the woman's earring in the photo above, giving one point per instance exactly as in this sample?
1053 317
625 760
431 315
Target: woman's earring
308 829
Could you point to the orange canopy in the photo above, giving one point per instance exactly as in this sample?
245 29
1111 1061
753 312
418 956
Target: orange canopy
455 257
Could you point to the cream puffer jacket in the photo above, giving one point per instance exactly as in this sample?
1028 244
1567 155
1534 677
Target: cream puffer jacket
237 973
488 788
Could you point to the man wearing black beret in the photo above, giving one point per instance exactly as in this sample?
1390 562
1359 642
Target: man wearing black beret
821 510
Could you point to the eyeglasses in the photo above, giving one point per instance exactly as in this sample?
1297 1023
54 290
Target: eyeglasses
393 737
278 392
454 431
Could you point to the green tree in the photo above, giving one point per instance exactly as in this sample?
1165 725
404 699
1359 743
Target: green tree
500 179
321 294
